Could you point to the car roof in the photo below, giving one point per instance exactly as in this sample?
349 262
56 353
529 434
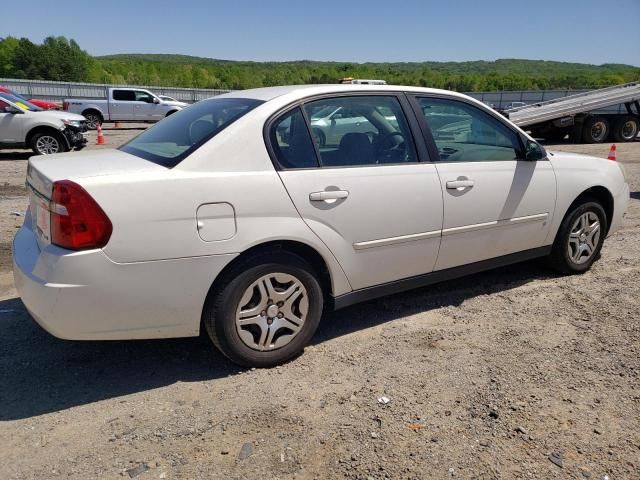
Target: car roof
296 92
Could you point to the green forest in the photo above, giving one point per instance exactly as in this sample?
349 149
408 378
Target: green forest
62 59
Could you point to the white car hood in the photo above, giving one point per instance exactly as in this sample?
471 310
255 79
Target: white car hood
53 114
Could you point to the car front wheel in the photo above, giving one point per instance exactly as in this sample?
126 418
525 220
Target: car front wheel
265 310
48 143
579 238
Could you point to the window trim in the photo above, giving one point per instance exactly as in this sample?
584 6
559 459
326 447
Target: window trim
422 152
428 135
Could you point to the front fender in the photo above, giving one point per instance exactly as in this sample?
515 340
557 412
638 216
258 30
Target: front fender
576 174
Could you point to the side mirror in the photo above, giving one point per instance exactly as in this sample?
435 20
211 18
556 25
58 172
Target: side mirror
11 109
534 151
336 116
156 100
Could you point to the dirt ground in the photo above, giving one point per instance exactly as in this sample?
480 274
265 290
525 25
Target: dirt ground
514 373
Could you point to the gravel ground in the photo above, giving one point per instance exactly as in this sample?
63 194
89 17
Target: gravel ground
514 373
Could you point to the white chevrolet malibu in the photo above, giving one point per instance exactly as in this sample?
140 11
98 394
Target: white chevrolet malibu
248 214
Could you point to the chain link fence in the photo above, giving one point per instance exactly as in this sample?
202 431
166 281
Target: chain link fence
58 91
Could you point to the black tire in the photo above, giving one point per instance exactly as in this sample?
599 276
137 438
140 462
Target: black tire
320 136
626 129
560 257
93 119
223 301
595 130
43 138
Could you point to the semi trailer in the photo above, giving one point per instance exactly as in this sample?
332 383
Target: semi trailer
579 116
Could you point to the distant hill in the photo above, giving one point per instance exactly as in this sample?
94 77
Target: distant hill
58 58
504 74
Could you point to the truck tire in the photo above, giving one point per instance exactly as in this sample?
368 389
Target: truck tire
93 119
595 130
626 129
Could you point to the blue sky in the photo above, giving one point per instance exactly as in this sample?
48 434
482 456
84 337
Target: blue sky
587 31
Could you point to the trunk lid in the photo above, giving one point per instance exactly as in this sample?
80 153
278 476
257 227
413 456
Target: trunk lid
43 171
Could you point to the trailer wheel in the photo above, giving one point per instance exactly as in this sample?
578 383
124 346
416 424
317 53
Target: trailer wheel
595 130
626 129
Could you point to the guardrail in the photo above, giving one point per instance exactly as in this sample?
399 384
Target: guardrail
58 91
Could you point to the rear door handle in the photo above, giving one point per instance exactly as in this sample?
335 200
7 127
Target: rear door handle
328 195
456 184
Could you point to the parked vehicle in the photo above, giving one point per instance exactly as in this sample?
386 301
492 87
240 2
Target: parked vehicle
44 104
228 217
123 105
512 105
24 125
578 116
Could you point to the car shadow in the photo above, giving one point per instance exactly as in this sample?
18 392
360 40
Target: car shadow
445 294
7 156
40 374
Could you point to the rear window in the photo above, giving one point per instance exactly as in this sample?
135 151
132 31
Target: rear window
170 141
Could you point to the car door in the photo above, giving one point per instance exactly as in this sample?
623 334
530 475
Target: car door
495 202
121 105
144 108
12 123
365 195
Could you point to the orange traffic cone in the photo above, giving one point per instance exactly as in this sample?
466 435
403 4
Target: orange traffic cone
100 140
117 125
612 153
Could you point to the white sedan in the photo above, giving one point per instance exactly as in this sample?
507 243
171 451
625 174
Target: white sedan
230 216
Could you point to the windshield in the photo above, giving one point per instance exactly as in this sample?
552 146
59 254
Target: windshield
20 102
170 141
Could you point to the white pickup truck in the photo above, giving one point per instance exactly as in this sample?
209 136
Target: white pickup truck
123 105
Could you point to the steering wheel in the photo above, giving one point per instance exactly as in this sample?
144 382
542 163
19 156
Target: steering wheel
390 145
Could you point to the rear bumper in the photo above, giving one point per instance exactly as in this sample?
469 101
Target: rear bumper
86 296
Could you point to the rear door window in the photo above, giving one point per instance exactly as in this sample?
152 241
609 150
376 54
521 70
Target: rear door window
171 140
360 130
124 95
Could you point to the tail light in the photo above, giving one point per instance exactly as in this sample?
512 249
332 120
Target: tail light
65 106
77 221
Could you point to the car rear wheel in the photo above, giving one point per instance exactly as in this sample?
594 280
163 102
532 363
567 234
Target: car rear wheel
48 143
93 120
265 310
580 237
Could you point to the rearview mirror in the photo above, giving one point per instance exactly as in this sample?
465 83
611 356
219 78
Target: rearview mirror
534 151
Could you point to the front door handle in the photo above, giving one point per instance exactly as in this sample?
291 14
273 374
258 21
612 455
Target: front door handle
459 184
328 195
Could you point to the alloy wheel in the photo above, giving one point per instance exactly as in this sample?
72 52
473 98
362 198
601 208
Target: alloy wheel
47 145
